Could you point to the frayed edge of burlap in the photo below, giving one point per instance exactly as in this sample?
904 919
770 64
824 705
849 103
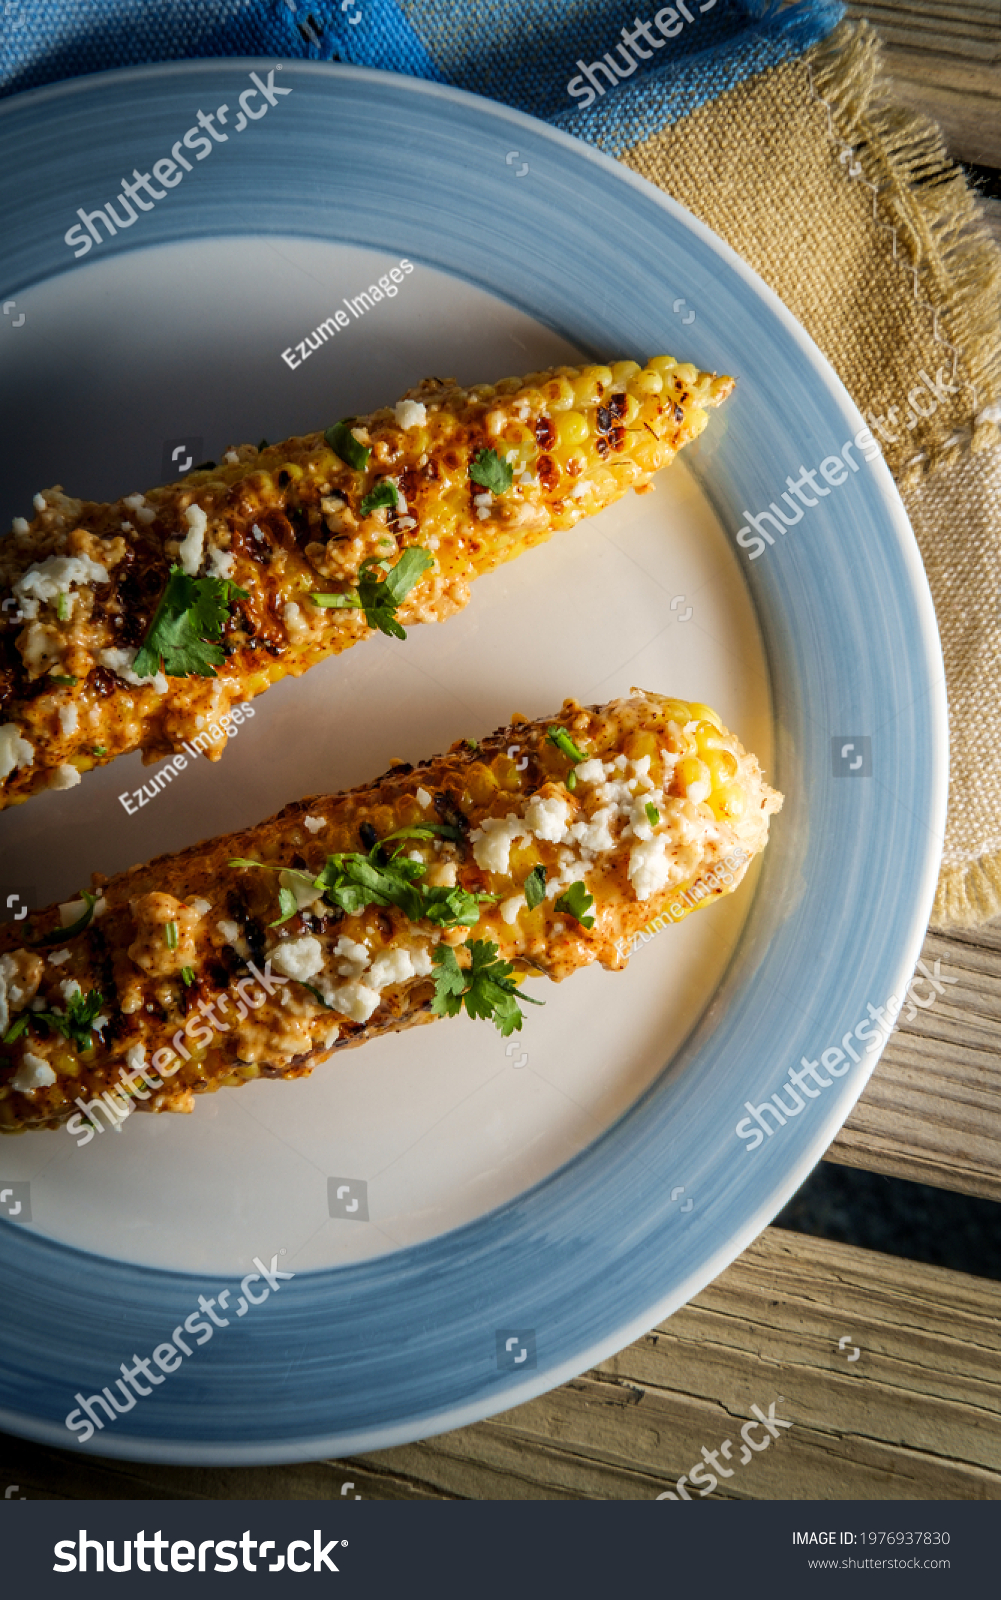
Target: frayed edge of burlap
937 231
968 894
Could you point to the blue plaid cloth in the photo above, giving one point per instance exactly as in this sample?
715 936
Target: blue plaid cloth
610 71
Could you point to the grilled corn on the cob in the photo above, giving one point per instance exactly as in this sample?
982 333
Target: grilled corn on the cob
350 916
470 476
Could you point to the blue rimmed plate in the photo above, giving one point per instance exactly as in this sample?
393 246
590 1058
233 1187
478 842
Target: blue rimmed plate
465 1224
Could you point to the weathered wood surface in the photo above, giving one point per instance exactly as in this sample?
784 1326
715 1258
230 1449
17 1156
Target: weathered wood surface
916 1416
932 1109
945 60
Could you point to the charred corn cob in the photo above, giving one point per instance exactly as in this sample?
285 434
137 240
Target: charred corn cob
342 918
139 624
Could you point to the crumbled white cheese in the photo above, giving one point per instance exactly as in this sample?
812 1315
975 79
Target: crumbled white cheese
483 512
100 1023
509 909
199 906
232 457
410 414
19 525
582 487
38 501
64 777
134 501
119 661
492 842
353 957
14 751
484 499
229 930
68 718
355 1000
291 616
33 1073
193 544
641 767
59 956
423 799
69 988
127 527
392 966
638 819
596 835
221 563
299 958
547 818
135 1057
408 522
46 580
421 961
314 824
592 771
650 866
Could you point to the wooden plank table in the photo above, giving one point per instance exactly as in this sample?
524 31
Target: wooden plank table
916 1414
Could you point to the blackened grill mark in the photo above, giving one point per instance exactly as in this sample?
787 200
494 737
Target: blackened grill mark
604 419
102 681
449 810
679 415
545 433
548 471
617 405
617 438
368 835
601 445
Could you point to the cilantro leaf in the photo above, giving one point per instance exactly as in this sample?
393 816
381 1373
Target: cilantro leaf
287 904
17 1028
187 624
485 987
384 494
353 881
535 887
652 814
576 902
76 1025
60 935
561 739
454 908
491 472
380 598
344 444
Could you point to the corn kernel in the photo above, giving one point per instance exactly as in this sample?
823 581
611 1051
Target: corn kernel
709 737
590 385
481 784
571 430
684 375
506 772
677 711
646 383
624 371
691 777
661 364
728 803
722 766
558 394
638 745
701 713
